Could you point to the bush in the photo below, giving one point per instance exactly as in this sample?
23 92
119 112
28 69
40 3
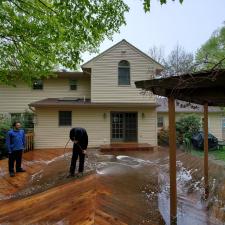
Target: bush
186 127
163 137
5 124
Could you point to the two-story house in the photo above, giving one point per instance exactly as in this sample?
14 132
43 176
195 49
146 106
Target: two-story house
103 99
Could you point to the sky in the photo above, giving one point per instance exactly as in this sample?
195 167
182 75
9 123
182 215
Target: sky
189 25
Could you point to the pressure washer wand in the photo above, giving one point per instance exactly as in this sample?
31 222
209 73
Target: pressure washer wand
65 147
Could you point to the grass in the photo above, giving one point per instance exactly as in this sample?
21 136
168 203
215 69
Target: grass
214 153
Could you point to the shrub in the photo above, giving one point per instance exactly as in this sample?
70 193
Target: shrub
163 137
4 127
5 124
186 127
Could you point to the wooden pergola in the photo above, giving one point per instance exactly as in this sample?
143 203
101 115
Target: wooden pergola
206 88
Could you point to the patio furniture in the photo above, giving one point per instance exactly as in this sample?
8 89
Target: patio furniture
221 144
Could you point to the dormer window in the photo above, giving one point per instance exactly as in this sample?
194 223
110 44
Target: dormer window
124 73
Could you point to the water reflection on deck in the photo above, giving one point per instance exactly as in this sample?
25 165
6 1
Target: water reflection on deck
120 188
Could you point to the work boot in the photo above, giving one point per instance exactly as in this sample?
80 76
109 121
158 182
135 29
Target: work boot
11 174
71 175
80 174
21 170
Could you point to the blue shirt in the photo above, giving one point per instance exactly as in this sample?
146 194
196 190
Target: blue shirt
15 140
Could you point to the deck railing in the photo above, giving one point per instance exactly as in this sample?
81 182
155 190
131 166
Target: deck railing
29 142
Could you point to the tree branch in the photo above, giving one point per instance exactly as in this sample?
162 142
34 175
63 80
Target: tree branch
47 6
19 7
218 63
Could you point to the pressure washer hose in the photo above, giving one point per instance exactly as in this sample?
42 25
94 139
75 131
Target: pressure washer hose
64 153
65 148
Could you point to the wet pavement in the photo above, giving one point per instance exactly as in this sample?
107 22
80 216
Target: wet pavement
141 181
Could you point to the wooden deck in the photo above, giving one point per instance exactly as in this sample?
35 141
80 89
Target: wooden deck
10 185
127 147
71 203
86 201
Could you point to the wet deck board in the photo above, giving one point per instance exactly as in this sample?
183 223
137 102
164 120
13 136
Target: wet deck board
89 200
127 147
33 162
77 202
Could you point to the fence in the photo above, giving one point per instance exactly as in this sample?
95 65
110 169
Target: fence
29 142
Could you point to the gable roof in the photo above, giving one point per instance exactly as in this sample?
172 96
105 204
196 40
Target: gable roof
85 65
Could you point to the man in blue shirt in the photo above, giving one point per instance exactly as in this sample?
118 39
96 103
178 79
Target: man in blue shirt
15 142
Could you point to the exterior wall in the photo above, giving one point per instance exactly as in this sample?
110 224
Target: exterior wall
223 127
215 125
17 99
214 122
104 83
49 135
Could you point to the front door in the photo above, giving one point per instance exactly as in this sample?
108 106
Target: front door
124 126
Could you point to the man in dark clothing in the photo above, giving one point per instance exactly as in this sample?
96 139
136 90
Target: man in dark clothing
15 141
80 138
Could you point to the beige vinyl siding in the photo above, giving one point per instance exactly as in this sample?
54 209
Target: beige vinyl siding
147 129
49 135
214 121
215 125
104 83
16 99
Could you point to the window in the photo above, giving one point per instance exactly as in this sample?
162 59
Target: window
38 85
28 120
73 85
65 118
16 117
124 73
160 121
25 118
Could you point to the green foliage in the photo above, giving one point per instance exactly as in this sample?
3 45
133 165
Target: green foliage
213 51
186 127
5 124
36 36
214 154
147 4
26 119
163 137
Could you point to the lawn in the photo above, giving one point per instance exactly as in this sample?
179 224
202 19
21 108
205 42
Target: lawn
214 153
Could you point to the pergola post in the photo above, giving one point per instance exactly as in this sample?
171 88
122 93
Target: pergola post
206 168
172 161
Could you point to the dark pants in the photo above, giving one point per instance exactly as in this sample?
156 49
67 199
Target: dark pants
77 151
15 156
